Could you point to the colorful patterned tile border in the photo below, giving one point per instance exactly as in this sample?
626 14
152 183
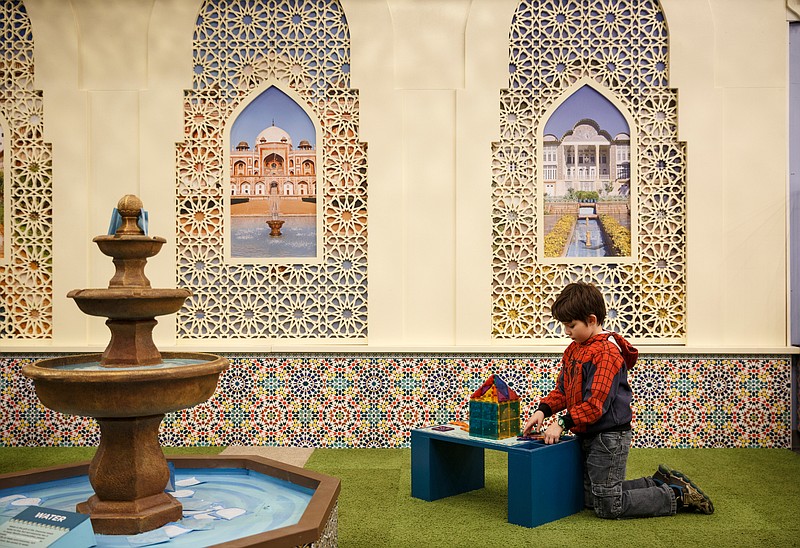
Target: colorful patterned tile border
369 400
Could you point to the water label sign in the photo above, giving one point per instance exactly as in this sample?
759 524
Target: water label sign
38 527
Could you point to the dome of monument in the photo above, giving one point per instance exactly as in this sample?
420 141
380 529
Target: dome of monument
274 134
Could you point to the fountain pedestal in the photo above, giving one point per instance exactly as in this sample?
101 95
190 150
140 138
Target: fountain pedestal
128 388
129 493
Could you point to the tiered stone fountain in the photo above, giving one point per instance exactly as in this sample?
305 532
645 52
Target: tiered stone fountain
129 387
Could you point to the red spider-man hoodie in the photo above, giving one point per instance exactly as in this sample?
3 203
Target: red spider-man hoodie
593 385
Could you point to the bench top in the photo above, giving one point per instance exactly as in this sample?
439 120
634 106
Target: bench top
512 444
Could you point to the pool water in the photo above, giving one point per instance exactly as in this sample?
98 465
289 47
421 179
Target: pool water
167 363
250 237
596 247
226 504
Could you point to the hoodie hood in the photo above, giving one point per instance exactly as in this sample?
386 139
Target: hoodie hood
629 353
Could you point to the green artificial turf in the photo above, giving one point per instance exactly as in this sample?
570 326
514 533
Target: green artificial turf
13 459
756 493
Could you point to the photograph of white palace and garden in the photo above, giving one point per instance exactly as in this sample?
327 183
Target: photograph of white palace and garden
586 180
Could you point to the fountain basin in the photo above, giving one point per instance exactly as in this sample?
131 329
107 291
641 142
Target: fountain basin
129 303
131 246
317 524
184 380
128 472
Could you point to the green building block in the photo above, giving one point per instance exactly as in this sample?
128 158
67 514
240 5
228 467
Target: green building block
494 420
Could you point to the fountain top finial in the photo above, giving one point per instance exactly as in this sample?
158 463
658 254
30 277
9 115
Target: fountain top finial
129 207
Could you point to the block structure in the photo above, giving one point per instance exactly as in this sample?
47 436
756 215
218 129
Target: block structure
494 420
494 410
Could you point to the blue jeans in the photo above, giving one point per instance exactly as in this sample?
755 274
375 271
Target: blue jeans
606 489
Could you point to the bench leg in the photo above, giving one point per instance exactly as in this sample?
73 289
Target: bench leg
546 484
440 469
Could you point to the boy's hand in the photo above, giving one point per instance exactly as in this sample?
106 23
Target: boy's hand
553 433
536 421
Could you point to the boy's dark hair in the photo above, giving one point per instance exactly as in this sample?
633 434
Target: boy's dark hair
578 301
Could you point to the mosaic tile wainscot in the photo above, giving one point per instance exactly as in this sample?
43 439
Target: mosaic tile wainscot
370 400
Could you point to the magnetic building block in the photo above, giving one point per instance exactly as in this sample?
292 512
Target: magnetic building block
494 410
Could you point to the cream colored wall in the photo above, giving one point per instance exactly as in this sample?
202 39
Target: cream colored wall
112 73
429 74
728 62
429 115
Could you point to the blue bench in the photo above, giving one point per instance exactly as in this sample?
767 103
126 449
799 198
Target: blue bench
545 482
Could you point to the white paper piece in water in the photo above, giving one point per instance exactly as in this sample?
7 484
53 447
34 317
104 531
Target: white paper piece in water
27 502
194 505
174 530
203 516
6 502
198 524
188 482
156 536
10 498
182 493
230 513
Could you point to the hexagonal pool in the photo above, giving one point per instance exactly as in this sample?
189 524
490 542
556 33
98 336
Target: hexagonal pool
242 501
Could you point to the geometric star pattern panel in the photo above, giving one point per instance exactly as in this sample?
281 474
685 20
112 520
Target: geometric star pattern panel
326 400
240 47
26 223
619 47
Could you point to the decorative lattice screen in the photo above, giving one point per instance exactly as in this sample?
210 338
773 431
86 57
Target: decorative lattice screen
621 48
240 47
26 266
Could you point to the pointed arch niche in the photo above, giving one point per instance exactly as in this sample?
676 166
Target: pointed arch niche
587 181
26 266
271 178
619 51
241 50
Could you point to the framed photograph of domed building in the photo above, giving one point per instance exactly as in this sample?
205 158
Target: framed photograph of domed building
587 180
272 181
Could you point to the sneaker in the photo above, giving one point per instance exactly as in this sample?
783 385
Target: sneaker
662 474
693 497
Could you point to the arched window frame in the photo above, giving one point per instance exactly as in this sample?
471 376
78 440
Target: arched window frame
26 312
623 47
320 299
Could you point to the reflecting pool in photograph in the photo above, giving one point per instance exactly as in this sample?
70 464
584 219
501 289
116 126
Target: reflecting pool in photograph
250 237
594 247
